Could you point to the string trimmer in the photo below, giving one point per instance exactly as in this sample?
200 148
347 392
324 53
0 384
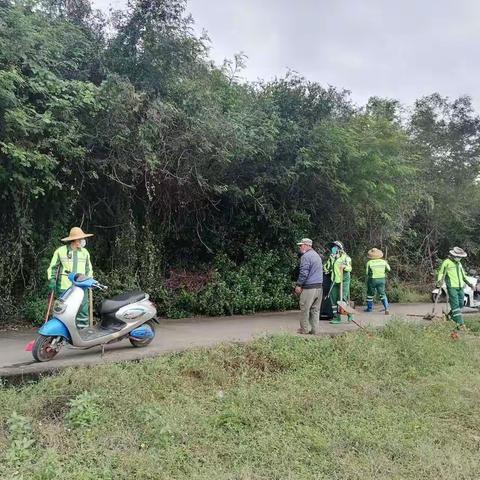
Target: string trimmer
433 315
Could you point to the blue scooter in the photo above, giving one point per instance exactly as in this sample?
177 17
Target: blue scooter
129 315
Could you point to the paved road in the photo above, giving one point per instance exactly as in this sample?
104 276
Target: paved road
177 335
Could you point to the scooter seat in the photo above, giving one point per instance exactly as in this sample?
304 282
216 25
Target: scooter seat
115 303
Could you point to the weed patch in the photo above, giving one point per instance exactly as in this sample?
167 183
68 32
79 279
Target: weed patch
401 402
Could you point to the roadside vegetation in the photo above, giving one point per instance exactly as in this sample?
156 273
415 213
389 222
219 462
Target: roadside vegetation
196 183
401 402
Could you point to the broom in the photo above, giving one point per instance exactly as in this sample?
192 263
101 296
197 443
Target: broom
51 297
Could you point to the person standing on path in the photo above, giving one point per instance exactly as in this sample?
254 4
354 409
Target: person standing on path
451 271
377 269
309 287
72 257
339 265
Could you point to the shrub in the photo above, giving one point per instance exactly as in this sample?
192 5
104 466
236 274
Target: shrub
21 439
84 410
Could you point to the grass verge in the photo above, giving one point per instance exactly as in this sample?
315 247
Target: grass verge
402 402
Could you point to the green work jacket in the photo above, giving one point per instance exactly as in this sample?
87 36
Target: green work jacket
334 264
453 273
77 261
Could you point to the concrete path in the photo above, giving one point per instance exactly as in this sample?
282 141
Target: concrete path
177 335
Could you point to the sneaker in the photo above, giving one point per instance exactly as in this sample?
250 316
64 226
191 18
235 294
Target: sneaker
301 331
387 312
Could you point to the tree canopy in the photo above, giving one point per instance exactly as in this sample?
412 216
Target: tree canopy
124 125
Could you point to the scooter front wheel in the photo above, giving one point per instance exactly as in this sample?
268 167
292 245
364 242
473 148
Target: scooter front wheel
44 348
143 342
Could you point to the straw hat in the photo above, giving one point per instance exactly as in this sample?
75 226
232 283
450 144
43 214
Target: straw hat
375 253
76 233
458 252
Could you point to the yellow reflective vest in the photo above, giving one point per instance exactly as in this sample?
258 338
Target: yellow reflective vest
453 272
77 261
333 265
377 268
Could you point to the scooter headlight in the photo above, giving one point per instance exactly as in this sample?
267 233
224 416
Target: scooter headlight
59 307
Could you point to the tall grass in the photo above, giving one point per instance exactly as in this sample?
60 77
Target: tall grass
401 403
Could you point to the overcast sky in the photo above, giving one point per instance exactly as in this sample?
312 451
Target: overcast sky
400 49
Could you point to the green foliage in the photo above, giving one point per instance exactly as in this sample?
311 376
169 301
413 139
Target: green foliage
405 293
33 309
155 433
401 402
84 411
124 126
21 439
262 282
358 290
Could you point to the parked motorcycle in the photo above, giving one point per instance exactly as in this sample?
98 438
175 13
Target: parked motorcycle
130 315
471 295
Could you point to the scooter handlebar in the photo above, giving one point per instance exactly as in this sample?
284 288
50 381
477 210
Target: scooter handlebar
100 286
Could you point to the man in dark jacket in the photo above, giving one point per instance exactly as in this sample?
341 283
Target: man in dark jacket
309 287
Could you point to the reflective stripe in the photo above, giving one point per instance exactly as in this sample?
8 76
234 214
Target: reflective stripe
377 268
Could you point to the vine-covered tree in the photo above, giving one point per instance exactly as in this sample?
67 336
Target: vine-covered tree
197 184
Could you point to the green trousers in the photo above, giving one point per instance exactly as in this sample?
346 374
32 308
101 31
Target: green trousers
376 285
335 295
455 299
82 320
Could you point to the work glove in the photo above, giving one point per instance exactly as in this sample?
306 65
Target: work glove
51 285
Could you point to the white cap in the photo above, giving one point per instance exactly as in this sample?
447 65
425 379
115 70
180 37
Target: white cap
305 241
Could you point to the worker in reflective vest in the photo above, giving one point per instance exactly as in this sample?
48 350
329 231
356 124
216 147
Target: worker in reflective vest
72 257
377 269
339 266
452 273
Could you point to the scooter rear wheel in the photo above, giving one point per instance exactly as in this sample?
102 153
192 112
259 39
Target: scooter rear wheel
42 349
137 342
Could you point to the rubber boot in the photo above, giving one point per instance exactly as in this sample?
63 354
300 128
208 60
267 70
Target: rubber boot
369 306
336 320
350 317
386 306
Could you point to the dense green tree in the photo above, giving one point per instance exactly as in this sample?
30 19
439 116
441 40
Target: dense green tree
198 184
